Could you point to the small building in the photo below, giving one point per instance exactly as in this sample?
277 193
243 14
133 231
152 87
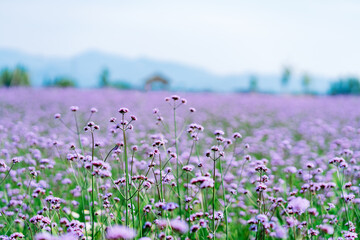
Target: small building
156 83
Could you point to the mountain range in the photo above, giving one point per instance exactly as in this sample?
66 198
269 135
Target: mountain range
86 67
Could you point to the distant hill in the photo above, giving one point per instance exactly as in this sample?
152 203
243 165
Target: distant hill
86 68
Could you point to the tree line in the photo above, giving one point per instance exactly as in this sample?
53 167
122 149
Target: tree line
343 86
19 76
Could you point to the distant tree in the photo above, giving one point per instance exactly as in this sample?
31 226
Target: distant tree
121 85
63 82
347 86
18 77
306 81
285 77
6 77
104 78
253 84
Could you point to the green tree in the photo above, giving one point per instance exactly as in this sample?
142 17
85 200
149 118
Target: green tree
306 81
285 77
253 84
64 82
20 77
104 78
121 85
5 77
17 77
347 86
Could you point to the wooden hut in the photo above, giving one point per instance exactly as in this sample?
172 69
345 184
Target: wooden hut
156 82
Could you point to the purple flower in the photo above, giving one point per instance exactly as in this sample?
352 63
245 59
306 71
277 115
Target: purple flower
262 218
280 232
74 108
118 232
44 236
179 226
299 205
328 229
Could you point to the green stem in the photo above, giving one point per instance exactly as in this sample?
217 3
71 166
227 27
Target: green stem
161 182
224 199
131 200
139 214
177 163
78 131
92 187
343 193
7 174
126 179
213 203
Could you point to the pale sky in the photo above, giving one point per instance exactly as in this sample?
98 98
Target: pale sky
226 36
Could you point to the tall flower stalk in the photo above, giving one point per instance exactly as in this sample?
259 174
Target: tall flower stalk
126 177
176 102
92 127
224 200
213 201
124 125
177 159
214 154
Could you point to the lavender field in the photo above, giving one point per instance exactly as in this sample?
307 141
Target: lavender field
107 164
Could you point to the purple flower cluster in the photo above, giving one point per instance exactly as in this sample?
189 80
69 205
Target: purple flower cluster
76 165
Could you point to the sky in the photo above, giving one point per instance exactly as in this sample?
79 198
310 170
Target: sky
321 37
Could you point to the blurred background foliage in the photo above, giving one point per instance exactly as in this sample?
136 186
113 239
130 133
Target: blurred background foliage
19 76
61 82
105 81
345 86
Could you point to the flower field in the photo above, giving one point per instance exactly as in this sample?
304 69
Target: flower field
107 164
